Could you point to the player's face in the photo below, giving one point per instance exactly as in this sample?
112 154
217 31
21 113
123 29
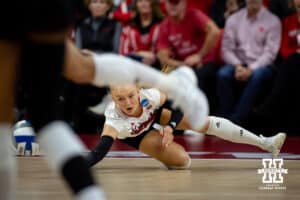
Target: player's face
144 6
175 8
126 98
99 8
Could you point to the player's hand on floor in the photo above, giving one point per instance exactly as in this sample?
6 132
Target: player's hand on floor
167 136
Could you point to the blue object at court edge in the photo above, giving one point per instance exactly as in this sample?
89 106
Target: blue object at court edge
25 139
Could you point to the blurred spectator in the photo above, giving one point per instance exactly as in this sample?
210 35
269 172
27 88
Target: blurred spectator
231 7
281 108
204 6
250 45
188 37
284 97
122 11
80 12
162 5
98 33
290 33
281 8
139 38
222 9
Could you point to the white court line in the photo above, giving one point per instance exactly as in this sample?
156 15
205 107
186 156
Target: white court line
200 153
140 154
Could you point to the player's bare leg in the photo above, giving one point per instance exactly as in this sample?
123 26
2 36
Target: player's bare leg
174 156
9 55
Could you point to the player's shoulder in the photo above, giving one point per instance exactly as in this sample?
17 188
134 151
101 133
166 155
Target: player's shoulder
273 18
238 15
149 93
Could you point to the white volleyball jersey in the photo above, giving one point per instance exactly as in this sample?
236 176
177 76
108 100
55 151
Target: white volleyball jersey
133 126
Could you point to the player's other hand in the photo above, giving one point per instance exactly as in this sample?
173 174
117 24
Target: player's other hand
167 136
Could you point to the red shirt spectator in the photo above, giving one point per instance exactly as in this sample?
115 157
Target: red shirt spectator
186 37
291 31
132 40
139 38
122 13
203 5
162 5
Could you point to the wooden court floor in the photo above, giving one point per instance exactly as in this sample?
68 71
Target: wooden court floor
147 179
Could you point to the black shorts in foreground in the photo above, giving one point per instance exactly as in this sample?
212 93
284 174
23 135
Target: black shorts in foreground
18 18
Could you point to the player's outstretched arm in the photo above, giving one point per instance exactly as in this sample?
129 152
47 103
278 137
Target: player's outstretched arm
108 136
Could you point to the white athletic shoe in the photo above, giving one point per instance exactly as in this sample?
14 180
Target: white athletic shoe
273 144
188 97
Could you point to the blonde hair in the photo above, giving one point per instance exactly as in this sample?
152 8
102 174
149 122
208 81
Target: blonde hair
113 87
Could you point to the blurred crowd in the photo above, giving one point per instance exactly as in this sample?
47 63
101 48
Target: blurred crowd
245 54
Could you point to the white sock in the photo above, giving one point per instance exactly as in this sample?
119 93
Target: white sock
7 163
226 130
91 193
116 69
59 143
